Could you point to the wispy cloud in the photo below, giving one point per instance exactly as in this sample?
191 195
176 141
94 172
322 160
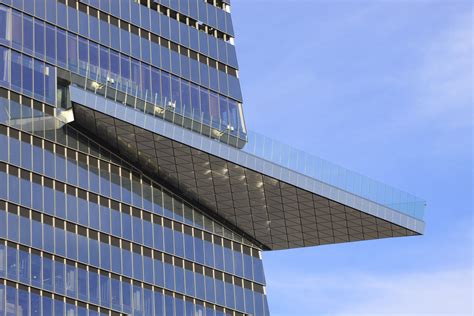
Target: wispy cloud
445 292
443 83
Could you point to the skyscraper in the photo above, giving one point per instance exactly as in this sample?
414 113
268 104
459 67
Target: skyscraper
129 181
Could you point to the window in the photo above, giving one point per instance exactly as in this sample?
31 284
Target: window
126 224
169 305
23 302
94 213
61 52
158 267
186 97
210 292
104 219
229 295
15 71
238 262
71 205
94 26
35 303
60 166
136 190
209 253
72 52
94 286
59 272
145 48
27 34
4 65
214 108
72 19
220 294
155 54
137 265
60 196
188 246
179 276
25 228
114 36
93 249
219 255
104 255
148 301
83 24
104 32
159 304
116 259
82 244
104 66
169 274
16 28
249 304
158 235
83 54
200 287
125 41
60 241
35 269
178 243
50 44
165 58
105 290
47 305
114 64
71 244
148 268
59 307
115 219
61 12
36 229
147 232
24 266
168 233
115 293
4 15
248 271
199 250
47 273
71 280
127 262
94 62
127 297
11 296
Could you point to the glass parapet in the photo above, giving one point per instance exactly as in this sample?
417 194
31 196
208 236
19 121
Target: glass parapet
125 91
334 175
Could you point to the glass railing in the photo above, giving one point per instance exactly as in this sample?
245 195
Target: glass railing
334 175
127 93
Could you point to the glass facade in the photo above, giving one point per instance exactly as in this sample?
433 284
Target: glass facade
155 66
82 231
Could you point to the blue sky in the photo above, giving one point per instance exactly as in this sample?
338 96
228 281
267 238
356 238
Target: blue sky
383 88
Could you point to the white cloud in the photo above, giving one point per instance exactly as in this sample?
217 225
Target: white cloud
444 83
446 292
442 292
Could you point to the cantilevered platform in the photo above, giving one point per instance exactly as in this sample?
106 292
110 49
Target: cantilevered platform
277 207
